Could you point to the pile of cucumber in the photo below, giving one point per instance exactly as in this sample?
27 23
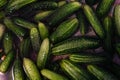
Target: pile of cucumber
38 39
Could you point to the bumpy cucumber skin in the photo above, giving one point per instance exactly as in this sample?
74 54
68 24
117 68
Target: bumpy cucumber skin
104 7
31 69
52 75
18 73
64 30
117 19
62 12
43 54
75 45
100 73
5 65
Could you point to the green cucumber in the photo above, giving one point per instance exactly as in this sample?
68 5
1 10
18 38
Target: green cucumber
43 30
24 23
64 30
117 19
52 75
75 45
92 2
5 64
86 58
2 2
92 18
104 7
62 12
73 71
7 42
17 71
61 3
107 25
17 4
31 69
35 39
100 73
43 54
14 28
2 30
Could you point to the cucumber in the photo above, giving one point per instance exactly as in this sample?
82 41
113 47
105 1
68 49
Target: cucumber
17 4
44 33
2 30
7 42
92 2
75 45
61 3
62 12
86 58
17 70
52 75
100 73
2 15
92 18
35 39
107 24
104 7
117 19
64 30
42 15
73 71
24 23
2 2
31 69
43 54
5 64
14 28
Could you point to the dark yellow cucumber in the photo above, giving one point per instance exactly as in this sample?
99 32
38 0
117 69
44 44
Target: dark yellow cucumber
17 70
61 3
7 42
24 23
86 58
62 12
73 71
31 69
75 45
52 75
35 39
43 30
14 28
117 19
104 7
64 30
2 30
5 65
17 4
43 54
100 73
92 18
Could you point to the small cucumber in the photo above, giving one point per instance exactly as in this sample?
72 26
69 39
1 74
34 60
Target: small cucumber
14 28
2 30
43 30
117 19
17 4
100 73
31 69
2 2
104 7
92 18
17 70
75 45
62 12
73 71
7 42
24 23
43 54
5 65
107 24
83 58
42 15
92 2
52 75
64 30
61 3
35 39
